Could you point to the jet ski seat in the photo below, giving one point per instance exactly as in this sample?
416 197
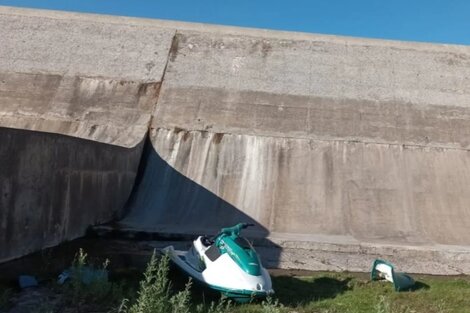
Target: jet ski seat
206 241
213 253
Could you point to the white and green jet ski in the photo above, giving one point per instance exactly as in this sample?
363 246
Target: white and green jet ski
226 263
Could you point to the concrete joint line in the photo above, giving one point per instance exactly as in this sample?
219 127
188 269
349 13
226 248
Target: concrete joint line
234 133
174 43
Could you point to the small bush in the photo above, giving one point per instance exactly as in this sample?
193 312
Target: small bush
155 294
222 306
97 290
155 291
271 306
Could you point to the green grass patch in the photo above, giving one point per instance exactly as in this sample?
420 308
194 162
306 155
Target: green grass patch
324 292
350 293
162 290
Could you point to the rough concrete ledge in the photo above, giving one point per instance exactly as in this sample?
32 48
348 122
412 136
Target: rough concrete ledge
336 257
334 254
42 43
109 111
218 29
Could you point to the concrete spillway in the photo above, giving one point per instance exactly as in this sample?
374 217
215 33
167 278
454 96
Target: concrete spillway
339 149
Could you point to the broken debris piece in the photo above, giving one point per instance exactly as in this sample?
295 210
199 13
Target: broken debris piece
385 270
26 281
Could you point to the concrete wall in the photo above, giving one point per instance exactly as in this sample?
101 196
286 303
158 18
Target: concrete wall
336 147
76 99
53 187
335 136
343 149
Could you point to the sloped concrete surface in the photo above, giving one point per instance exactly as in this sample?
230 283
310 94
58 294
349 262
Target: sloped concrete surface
317 137
82 78
339 149
76 100
54 186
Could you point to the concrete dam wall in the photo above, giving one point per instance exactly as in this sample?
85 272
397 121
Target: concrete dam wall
76 99
339 149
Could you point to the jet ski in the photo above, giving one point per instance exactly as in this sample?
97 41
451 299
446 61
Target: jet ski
227 263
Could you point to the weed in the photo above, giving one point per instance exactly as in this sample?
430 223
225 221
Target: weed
44 308
155 291
271 306
383 306
181 302
123 307
5 295
89 284
222 306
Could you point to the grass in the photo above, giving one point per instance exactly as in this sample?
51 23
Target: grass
83 290
162 290
336 293
5 294
349 293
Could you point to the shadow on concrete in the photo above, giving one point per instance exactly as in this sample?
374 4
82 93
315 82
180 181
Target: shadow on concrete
53 186
293 291
166 205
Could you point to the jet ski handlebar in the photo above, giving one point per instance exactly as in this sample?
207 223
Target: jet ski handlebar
234 230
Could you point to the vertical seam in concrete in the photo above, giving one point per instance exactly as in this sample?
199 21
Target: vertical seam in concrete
168 57
145 140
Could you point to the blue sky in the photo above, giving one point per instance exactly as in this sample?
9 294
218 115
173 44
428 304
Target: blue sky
444 21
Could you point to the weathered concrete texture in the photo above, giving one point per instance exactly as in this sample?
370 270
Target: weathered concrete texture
232 111
311 137
332 253
82 78
103 110
337 253
35 41
167 202
374 193
52 187
94 81
364 90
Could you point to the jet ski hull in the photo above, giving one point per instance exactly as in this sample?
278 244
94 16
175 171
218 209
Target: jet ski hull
221 275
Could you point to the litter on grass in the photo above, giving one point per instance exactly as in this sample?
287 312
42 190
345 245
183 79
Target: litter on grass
86 274
383 270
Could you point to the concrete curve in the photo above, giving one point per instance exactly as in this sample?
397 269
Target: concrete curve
340 149
76 100
324 142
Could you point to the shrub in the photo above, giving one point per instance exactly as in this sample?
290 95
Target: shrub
154 294
95 289
271 306
223 306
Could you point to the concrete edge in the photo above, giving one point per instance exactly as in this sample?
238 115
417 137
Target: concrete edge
230 30
323 253
351 140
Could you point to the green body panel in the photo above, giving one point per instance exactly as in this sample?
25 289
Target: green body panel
401 281
245 257
241 296
238 295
